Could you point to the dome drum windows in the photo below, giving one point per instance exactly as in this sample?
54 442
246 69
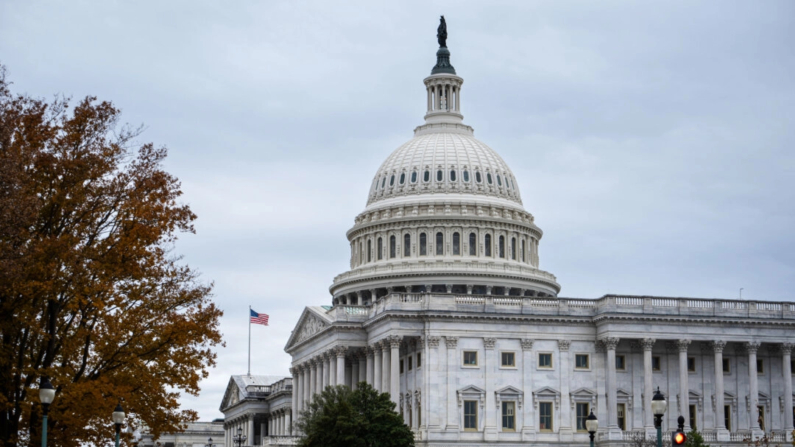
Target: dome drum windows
499 180
501 247
452 175
439 175
487 245
466 176
392 180
380 249
439 244
406 245
413 176
473 244
456 243
369 250
488 178
402 178
392 247
426 177
478 178
423 244
513 248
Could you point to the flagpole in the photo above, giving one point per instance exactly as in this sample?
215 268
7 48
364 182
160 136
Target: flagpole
249 340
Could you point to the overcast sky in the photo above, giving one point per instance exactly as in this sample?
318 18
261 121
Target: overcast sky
653 142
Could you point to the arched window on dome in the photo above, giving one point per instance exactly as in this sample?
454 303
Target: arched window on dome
466 176
487 244
380 249
426 177
369 250
414 177
392 180
383 182
392 247
406 245
361 253
473 244
488 177
478 178
502 247
423 244
521 252
439 175
439 244
452 175
513 248
499 180
456 244
402 178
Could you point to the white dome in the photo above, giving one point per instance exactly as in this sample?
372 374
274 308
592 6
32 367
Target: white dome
437 162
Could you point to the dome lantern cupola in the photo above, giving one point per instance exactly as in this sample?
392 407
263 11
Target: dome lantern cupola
443 87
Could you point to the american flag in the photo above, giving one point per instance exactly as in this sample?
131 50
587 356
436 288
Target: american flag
258 318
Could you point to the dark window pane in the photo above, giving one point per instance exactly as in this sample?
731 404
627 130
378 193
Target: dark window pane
423 245
466 176
499 181
439 175
392 247
414 177
406 245
456 244
477 177
452 176
402 178
439 243
508 359
473 244
380 249
369 250
488 177
522 251
392 180
426 176
487 244
502 246
513 248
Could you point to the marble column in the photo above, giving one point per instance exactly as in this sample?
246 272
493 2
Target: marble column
786 357
433 367
354 370
385 367
326 370
452 399
613 432
250 424
566 421
648 387
369 366
332 368
288 422
753 382
490 372
377 365
684 388
307 389
394 373
319 375
362 357
312 378
271 418
528 432
720 424
340 352
296 395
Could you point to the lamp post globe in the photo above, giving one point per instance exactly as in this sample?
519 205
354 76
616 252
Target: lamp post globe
240 438
46 396
591 424
209 442
118 419
658 407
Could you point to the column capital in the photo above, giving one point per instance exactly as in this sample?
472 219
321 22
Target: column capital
564 345
451 342
786 348
527 344
340 351
433 341
647 343
752 346
394 341
369 351
682 344
611 343
718 346
489 343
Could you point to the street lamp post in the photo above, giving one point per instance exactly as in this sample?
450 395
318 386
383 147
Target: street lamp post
118 419
658 407
46 396
240 438
209 443
591 424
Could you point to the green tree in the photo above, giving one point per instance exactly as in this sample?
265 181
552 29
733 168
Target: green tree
694 439
339 417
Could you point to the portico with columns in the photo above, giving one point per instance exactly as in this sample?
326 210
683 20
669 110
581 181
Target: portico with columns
260 407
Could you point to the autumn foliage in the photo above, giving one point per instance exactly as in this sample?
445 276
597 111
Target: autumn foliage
91 292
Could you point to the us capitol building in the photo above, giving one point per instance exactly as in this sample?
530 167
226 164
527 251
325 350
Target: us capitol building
445 306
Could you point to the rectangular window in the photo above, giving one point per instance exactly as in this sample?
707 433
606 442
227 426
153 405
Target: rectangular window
621 363
456 244
727 366
545 360
410 359
470 358
545 416
473 244
656 365
508 359
622 416
582 361
439 243
509 416
582 413
691 364
419 359
761 411
760 366
401 366
470 415
423 244
693 417
727 416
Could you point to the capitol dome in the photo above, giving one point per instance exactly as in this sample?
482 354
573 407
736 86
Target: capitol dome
444 215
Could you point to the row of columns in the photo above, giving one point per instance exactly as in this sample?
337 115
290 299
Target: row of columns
610 344
244 422
279 423
451 91
362 297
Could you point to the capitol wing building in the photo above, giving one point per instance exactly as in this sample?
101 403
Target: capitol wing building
446 307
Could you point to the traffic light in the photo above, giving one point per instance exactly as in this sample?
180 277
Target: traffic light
678 438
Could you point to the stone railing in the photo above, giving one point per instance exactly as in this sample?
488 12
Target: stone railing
448 265
281 440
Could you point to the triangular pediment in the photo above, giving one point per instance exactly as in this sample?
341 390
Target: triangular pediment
509 390
694 394
232 395
311 322
546 391
623 393
584 392
471 389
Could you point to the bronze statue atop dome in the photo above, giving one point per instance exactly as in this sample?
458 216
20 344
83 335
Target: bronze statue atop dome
441 32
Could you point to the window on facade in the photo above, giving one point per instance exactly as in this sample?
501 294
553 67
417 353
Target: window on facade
792 367
582 361
691 364
727 416
655 363
621 363
426 177
513 248
502 246
545 360
406 245
545 416
488 177
760 366
477 177
509 416
508 359
414 177
473 244
452 176
361 253
727 366
369 250
380 248
383 182
439 175
392 180
439 243
487 244
622 416
419 360
521 252
466 176
470 415
423 244
761 410
693 417
392 246
456 244
401 366
410 359
470 358
402 178
583 410
499 180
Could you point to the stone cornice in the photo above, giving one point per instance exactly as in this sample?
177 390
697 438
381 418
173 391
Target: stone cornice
415 222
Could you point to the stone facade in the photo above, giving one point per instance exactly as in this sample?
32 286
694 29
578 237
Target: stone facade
260 407
196 434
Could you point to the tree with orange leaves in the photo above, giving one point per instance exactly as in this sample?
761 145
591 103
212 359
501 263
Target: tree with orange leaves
91 295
